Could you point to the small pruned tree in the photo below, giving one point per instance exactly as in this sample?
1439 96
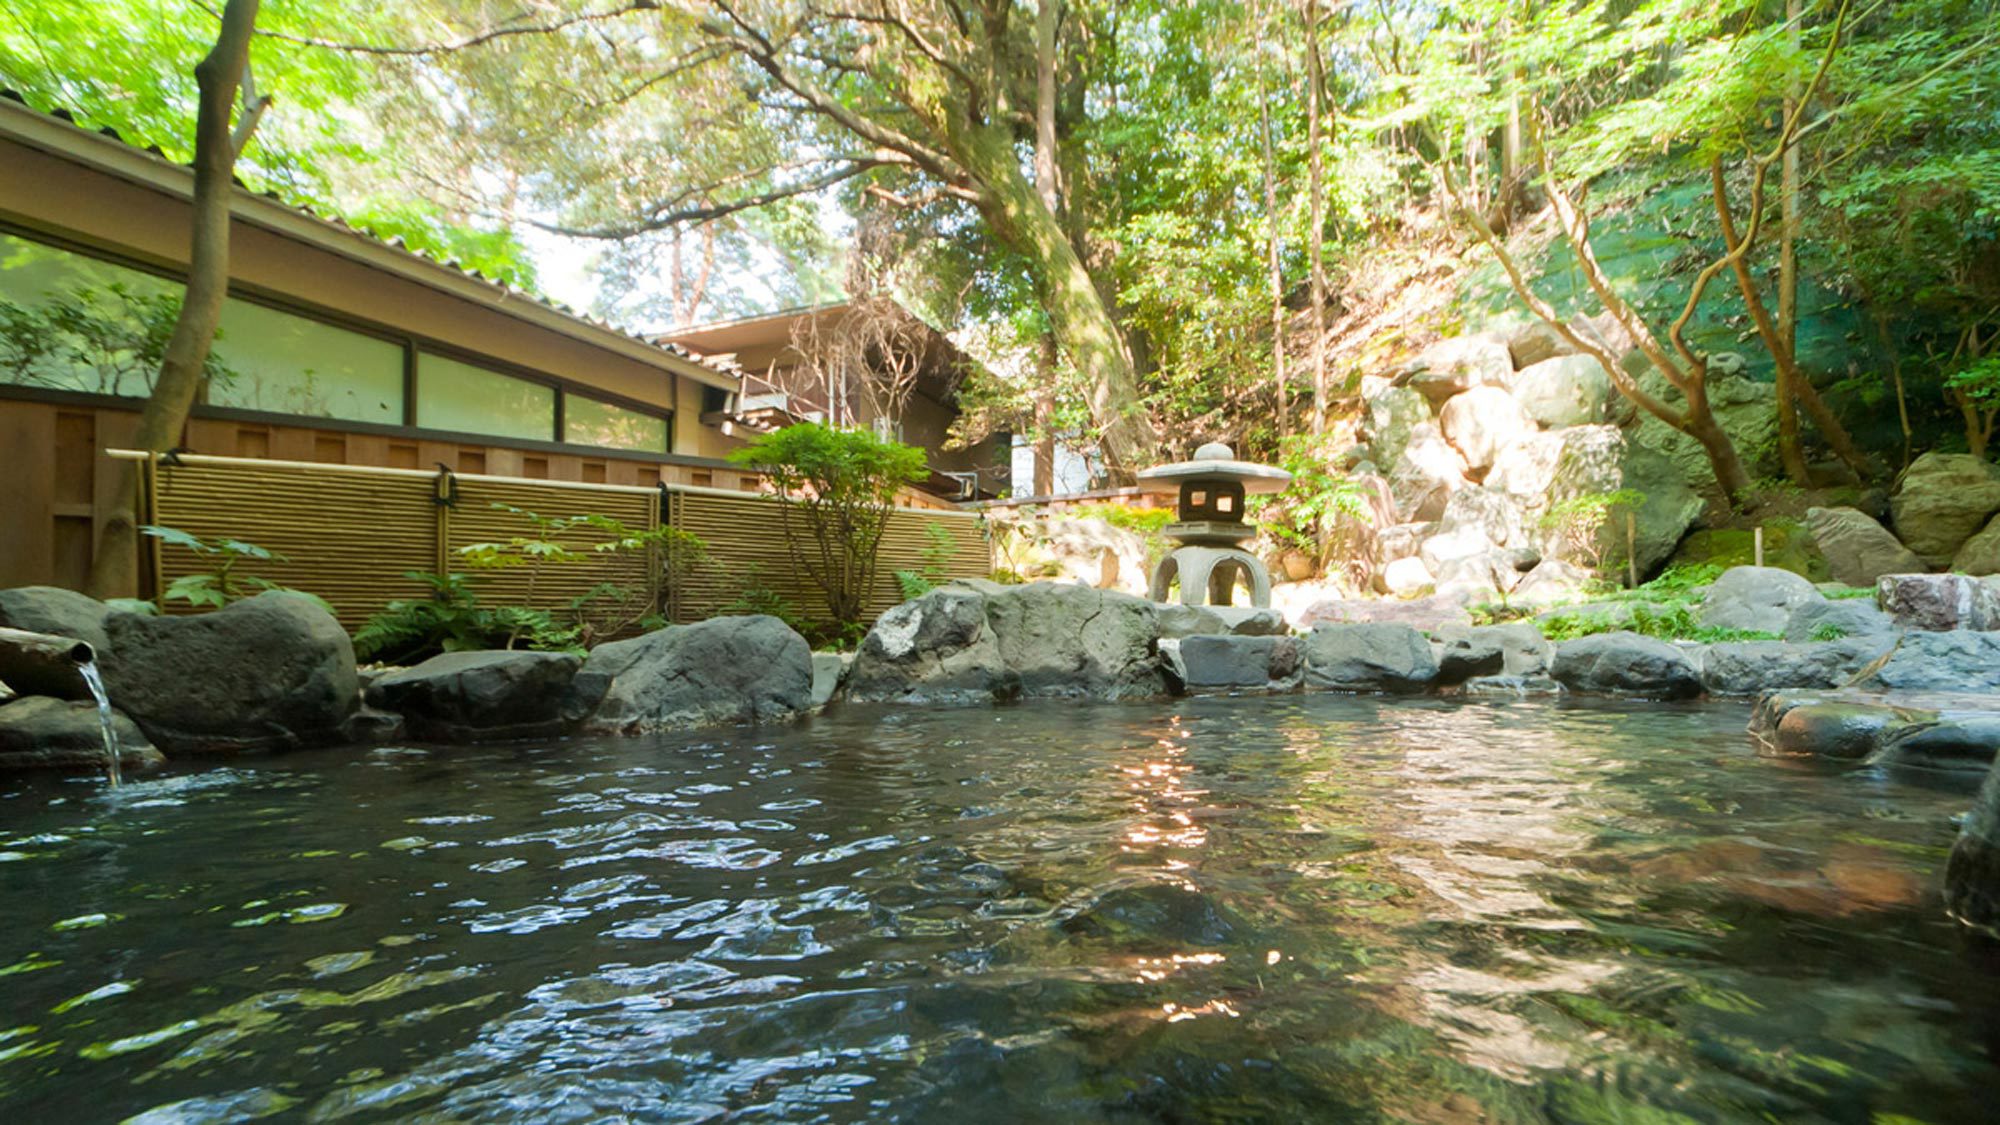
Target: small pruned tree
837 488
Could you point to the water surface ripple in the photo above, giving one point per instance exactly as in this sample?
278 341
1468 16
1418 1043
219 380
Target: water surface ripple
1308 908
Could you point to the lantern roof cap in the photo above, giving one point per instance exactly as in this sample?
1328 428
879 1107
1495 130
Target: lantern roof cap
1214 461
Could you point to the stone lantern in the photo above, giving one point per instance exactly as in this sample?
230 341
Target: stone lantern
1208 561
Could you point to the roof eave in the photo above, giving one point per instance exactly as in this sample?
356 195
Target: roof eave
66 141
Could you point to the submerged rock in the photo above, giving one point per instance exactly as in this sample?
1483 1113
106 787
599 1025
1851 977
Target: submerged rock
1152 915
268 672
466 696
1972 874
964 644
723 670
1963 742
39 733
1625 664
1368 657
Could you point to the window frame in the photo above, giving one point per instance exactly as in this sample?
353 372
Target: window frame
412 344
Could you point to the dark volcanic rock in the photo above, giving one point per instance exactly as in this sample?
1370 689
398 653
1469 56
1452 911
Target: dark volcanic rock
1211 663
268 672
963 643
723 670
1972 874
1625 664
39 733
1368 657
465 696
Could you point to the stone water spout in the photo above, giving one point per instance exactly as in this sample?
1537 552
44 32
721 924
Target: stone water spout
61 667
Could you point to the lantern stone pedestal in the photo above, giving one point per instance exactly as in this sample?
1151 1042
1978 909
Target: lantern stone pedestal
1207 564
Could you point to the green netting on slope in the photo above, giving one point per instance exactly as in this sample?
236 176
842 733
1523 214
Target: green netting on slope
1652 250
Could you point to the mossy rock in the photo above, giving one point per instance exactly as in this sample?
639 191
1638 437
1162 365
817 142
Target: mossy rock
1787 546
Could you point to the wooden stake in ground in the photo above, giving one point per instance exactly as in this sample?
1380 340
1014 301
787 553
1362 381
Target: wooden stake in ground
1758 539
1631 549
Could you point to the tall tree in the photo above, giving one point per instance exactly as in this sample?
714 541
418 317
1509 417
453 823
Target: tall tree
222 76
1316 236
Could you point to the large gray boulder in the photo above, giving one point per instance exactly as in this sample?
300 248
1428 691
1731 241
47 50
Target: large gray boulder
1536 342
1568 390
39 733
1625 664
1494 514
1177 620
1833 619
963 644
1403 578
1454 366
1594 460
270 672
1858 550
1756 598
1755 667
1515 649
1958 661
1482 422
1745 409
1981 553
1391 416
1423 478
829 673
1972 874
1371 656
467 696
1938 602
52 609
1942 501
1205 664
723 670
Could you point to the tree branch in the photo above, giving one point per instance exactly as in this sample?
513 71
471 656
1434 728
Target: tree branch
475 40
706 212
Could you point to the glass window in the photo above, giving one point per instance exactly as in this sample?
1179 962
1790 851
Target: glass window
74 323
588 421
458 396
291 365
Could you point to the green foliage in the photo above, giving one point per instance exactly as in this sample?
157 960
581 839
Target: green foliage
937 553
102 339
608 608
1829 631
1667 621
837 488
1849 593
213 589
1323 512
755 596
452 620
1127 517
1588 526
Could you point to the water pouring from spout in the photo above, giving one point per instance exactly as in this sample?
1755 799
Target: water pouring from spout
45 664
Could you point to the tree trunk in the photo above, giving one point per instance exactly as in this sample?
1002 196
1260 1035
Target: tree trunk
1083 325
115 569
1045 421
1315 96
1272 238
1793 388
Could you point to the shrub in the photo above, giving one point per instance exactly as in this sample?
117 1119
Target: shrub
452 620
216 588
938 551
836 490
